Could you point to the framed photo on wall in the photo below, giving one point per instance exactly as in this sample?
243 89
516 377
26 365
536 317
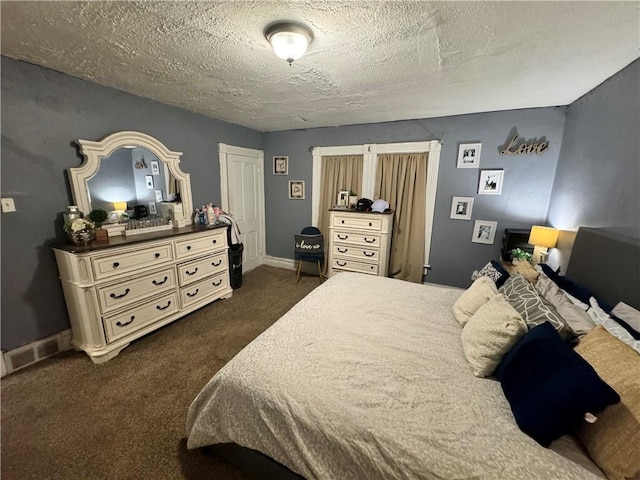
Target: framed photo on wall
296 189
484 232
149 181
490 182
155 168
469 155
281 165
158 195
461 208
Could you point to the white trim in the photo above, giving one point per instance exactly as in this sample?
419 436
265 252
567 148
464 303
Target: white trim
62 338
433 166
4 366
278 262
223 150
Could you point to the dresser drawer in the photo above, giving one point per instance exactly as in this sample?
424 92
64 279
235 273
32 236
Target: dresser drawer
353 266
112 265
133 290
364 222
201 245
198 269
352 252
118 326
363 239
203 289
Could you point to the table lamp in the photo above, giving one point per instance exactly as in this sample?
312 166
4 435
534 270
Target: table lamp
542 238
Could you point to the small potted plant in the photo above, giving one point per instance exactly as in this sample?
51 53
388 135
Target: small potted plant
80 230
518 255
98 216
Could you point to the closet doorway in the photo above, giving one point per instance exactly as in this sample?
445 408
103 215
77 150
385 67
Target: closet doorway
242 192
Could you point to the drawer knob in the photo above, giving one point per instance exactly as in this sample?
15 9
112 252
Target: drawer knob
157 255
126 292
194 293
216 284
343 238
158 307
191 273
116 264
215 241
372 240
156 283
120 324
217 264
341 221
368 254
341 264
188 247
370 224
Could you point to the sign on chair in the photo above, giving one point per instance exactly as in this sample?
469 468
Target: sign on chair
309 244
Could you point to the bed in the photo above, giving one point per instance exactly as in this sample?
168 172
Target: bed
366 378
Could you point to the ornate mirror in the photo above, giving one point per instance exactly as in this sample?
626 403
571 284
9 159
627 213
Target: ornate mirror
129 168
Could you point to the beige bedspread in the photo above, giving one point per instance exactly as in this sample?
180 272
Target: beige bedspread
365 379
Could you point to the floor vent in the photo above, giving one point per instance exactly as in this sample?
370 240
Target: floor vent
34 352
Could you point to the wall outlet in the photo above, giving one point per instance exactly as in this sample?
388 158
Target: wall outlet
8 205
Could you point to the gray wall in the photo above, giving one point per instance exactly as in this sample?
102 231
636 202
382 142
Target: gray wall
597 182
42 113
527 185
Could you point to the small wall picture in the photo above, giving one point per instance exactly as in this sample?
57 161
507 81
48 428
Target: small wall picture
281 165
149 181
296 189
484 232
155 168
343 198
461 208
490 182
469 155
152 208
158 195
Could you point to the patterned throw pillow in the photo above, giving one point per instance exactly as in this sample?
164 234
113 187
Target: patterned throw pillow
524 298
495 272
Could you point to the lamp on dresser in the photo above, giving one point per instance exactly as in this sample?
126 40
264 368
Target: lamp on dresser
542 238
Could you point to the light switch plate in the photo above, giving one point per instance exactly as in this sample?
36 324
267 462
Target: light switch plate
8 205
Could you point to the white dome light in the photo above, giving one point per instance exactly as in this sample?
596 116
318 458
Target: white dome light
289 40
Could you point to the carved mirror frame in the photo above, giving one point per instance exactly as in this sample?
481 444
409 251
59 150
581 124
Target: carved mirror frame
95 151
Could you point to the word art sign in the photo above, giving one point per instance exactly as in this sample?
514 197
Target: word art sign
309 243
525 148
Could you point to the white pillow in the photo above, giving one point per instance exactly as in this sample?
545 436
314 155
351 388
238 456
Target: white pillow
628 314
600 317
473 298
490 333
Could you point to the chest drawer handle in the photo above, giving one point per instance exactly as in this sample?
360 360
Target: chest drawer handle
116 264
120 324
194 293
217 264
216 284
373 240
188 247
156 283
367 254
158 307
191 273
343 251
343 238
215 241
341 264
157 255
126 292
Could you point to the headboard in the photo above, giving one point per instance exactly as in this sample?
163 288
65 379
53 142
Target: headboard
608 265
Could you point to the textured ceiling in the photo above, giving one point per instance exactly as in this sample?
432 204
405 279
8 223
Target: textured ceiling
370 61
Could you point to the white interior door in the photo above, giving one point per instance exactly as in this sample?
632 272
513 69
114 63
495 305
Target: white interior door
242 188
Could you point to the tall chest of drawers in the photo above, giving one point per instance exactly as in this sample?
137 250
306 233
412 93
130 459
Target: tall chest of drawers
118 292
359 242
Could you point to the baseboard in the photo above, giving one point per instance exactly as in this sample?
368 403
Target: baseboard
22 357
291 264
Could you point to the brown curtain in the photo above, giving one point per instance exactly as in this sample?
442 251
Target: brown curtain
401 180
339 172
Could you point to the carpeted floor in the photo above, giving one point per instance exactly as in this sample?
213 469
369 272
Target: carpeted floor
67 418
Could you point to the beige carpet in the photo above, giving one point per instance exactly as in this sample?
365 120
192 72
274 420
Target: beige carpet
67 418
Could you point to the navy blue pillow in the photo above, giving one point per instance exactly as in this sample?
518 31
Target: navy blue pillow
549 386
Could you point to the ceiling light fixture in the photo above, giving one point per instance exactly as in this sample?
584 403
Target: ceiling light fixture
289 40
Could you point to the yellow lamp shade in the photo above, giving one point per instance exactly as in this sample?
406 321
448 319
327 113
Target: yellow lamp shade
119 205
543 236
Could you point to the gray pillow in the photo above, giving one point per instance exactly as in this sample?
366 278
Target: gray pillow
533 308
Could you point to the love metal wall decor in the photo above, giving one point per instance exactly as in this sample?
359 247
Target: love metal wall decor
525 147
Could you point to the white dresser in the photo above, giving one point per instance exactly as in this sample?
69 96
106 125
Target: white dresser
120 290
359 242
